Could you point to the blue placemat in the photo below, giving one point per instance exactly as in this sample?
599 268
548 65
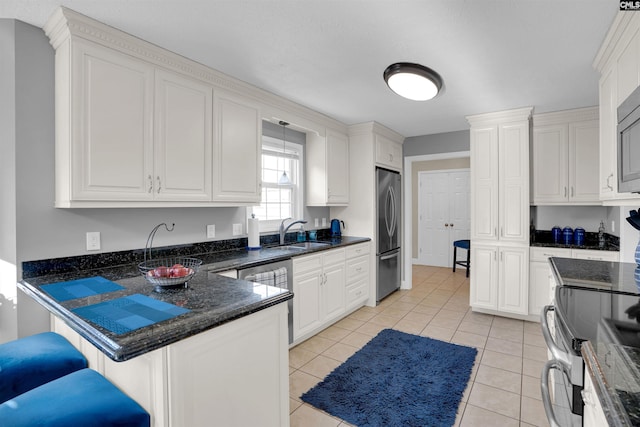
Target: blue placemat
129 313
63 291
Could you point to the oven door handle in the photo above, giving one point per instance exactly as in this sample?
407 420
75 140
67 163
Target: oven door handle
556 351
544 388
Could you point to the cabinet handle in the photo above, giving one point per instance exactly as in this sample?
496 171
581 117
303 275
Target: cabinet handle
320 278
391 157
159 184
501 232
359 269
572 192
325 278
150 184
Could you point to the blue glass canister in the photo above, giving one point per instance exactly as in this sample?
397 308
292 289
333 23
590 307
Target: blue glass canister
578 236
556 233
567 235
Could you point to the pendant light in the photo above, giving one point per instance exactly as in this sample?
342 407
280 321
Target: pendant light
413 81
284 179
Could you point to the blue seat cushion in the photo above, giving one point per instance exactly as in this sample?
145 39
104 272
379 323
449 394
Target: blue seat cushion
464 244
29 362
82 398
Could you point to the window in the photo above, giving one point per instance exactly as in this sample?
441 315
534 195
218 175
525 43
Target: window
279 201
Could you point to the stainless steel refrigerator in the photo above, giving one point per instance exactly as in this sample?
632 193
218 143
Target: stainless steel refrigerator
388 236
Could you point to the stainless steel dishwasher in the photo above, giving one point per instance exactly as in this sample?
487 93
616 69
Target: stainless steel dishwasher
250 275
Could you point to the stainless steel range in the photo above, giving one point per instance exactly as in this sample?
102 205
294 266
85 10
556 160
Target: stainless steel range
598 302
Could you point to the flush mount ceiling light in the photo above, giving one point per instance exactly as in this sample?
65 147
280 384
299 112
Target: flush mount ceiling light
284 179
413 81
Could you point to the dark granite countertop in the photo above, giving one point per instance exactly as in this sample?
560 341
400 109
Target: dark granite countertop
614 370
543 238
211 299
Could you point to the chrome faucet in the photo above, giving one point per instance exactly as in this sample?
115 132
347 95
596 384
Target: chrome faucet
283 229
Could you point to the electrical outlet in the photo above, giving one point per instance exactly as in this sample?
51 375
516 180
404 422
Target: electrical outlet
93 241
316 222
324 222
613 226
211 231
237 229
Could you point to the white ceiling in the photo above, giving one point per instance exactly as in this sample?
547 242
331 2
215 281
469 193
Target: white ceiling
329 55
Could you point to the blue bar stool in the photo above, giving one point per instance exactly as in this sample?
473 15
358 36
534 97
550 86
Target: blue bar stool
463 244
83 398
29 362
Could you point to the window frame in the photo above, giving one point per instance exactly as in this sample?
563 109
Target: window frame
276 146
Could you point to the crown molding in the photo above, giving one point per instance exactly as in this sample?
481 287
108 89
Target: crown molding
514 115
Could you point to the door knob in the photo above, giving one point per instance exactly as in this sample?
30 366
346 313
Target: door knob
446 225
452 225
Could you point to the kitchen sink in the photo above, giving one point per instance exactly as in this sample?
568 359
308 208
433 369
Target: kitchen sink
307 245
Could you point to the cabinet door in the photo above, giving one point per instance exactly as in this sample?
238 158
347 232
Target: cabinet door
237 155
306 304
514 182
608 123
182 149
484 183
337 168
333 291
593 413
539 287
111 126
484 277
388 153
513 280
583 161
550 164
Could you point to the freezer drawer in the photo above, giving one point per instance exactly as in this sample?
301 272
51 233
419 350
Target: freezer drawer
388 273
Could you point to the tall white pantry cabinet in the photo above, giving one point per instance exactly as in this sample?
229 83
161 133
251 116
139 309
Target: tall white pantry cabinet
500 211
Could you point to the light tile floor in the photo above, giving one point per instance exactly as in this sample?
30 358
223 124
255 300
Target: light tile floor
504 388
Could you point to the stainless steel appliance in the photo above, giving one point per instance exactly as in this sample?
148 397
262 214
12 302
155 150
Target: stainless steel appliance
603 309
629 144
252 274
388 249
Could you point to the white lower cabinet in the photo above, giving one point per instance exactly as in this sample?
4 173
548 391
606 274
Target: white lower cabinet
319 290
357 275
593 415
327 286
210 378
500 275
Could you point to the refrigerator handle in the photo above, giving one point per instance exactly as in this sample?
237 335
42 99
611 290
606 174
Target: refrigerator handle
393 255
387 213
392 231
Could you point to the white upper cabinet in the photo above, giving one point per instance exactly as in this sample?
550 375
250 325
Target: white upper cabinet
237 149
500 176
566 157
618 62
327 169
139 126
104 145
182 148
388 153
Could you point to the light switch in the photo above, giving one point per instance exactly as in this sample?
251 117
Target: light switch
211 231
237 229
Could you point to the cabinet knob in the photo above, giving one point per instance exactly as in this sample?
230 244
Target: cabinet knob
150 184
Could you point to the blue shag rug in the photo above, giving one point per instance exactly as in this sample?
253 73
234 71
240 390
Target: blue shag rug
397 379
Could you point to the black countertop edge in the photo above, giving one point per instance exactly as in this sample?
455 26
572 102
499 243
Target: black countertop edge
614 410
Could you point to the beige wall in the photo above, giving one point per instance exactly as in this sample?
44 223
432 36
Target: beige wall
428 165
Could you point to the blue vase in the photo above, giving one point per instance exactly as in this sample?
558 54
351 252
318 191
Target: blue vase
638 254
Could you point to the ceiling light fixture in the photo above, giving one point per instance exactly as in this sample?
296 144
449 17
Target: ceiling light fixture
284 179
413 81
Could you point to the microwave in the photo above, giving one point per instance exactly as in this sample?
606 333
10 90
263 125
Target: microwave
628 143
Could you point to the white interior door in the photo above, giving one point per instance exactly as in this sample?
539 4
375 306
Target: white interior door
443 215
